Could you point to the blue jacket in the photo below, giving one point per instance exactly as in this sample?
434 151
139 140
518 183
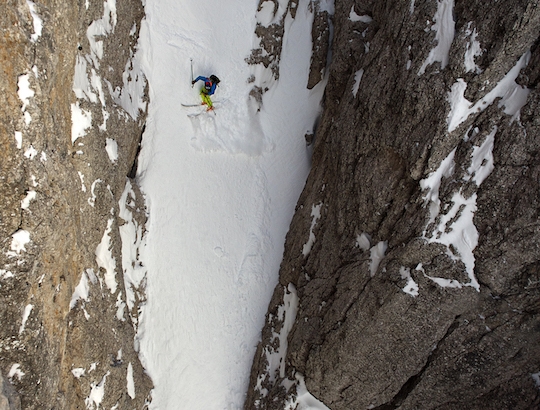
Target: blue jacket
207 81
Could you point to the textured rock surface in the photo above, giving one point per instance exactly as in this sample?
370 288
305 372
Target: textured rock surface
441 322
60 193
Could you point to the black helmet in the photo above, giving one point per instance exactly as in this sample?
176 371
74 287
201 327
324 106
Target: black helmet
214 79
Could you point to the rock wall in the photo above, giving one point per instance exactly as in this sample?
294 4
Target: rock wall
72 115
410 277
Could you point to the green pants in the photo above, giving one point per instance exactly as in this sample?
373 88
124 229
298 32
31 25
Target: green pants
206 99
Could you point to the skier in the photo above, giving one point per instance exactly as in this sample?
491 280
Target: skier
209 88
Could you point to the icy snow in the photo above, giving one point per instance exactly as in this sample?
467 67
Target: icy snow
30 196
316 214
287 314
18 139
97 393
130 381
80 121
4 274
433 183
100 28
221 191
363 241
105 260
355 17
24 91
357 78
304 400
513 96
30 153
482 159
26 315
38 22
473 50
19 240
78 372
81 291
411 287
536 378
81 176
81 84
377 255
133 239
92 199
455 227
444 28
15 371
112 149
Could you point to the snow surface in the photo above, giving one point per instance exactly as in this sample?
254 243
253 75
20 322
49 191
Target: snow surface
24 91
473 50
444 28
105 260
513 96
15 371
30 196
357 78
18 139
97 393
221 190
19 241
38 22
377 255
355 17
130 381
26 315
363 241
411 287
454 226
315 214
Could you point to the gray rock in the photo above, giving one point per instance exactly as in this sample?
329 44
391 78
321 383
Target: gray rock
77 188
8 398
359 340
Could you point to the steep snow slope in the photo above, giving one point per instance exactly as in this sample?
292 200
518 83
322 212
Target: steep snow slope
221 190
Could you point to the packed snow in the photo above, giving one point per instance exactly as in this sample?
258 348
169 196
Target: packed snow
220 188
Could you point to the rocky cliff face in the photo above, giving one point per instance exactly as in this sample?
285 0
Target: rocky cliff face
72 115
411 272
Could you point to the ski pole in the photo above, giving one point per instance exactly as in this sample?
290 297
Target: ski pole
191 72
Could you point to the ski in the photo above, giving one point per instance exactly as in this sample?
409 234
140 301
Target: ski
199 104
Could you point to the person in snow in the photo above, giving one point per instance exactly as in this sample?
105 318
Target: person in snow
208 89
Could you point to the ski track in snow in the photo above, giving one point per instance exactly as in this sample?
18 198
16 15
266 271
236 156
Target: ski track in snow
220 190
